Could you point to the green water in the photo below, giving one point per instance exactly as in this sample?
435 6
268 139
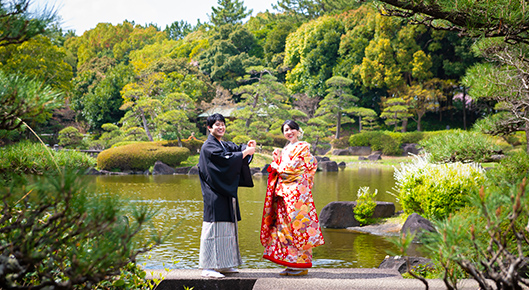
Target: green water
178 197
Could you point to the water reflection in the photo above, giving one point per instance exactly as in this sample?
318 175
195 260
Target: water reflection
178 198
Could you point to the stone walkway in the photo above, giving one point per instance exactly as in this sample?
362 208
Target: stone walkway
318 278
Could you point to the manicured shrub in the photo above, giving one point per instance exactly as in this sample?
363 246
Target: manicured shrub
123 143
341 143
34 158
436 190
378 141
460 146
365 206
70 137
140 156
412 137
278 141
193 145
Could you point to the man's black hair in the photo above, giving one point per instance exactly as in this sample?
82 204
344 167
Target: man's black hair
214 118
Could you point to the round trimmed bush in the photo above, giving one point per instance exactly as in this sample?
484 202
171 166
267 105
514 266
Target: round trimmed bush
141 156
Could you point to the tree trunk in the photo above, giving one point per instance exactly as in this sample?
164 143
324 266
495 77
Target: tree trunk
145 126
338 125
464 109
359 124
404 125
527 140
254 105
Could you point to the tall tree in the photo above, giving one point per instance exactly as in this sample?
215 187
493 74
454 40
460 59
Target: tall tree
312 9
264 99
18 24
180 29
228 12
395 112
338 101
232 51
311 54
178 108
503 19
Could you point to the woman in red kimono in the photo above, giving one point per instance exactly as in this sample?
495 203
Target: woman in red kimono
290 226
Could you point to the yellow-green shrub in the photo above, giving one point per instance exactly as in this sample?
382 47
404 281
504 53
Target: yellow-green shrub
141 156
436 190
193 145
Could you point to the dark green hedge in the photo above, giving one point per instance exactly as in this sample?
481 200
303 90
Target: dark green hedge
141 156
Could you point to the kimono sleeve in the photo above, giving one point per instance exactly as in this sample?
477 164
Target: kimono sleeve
221 169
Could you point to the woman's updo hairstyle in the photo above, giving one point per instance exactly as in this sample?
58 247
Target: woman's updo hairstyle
294 126
291 124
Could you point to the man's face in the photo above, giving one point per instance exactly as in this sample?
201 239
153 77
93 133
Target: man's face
218 129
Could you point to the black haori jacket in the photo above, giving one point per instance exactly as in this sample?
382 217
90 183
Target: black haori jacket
220 167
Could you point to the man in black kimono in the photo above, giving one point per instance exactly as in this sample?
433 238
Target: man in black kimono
220 166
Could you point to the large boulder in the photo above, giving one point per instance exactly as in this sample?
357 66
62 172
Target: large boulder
264 170
327 166
193 170
340 214
410 148
384 209
360 150
322 158
399 263
374 157
341 152
161 168
416 224
182 170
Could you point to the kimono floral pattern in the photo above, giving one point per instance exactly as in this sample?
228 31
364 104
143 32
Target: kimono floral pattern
290 226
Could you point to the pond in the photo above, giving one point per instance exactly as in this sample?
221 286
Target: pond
180 200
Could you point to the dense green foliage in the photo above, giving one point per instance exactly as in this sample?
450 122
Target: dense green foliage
140 156
461 146
70 137
377 141
437 190
55 233
487 239
153 84
25 100
365 206
35 158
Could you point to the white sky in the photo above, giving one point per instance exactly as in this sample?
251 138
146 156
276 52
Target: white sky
82 15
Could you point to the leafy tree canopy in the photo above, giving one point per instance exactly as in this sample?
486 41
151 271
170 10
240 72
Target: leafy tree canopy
19 24
499 18
229 12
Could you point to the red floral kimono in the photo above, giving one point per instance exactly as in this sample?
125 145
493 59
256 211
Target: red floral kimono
290 226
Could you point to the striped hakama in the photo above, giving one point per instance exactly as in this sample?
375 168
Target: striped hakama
218 246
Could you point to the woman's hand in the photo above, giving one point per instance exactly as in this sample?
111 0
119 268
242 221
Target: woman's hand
276 153
252 143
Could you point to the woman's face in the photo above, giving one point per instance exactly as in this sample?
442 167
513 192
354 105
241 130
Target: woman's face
290 134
